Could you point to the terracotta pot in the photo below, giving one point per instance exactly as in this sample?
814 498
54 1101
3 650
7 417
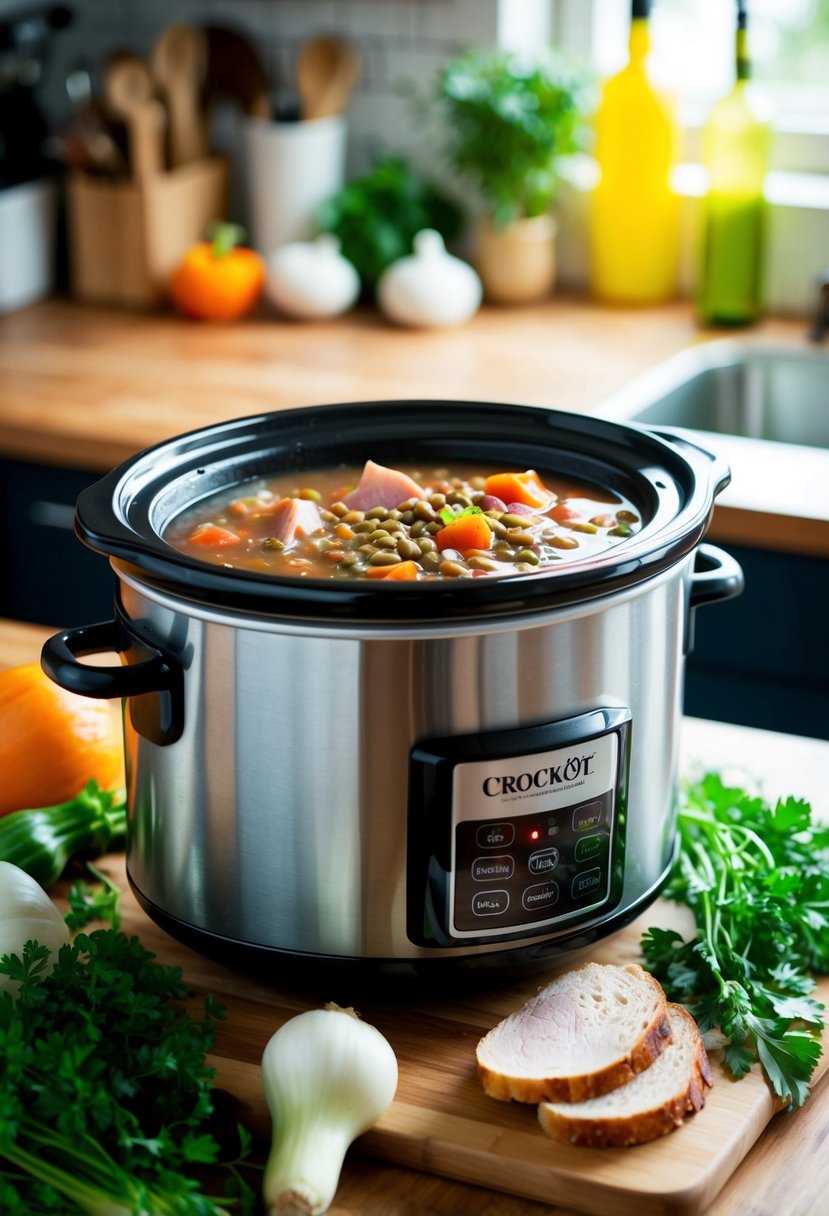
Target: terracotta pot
517 264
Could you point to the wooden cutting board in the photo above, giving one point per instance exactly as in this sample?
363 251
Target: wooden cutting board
442 1123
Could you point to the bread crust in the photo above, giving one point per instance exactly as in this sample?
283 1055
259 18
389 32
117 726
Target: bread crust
579 1087
642 1126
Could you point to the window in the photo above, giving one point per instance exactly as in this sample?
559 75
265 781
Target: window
693 46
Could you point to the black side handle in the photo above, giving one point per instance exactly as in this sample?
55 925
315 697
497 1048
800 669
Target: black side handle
151 681
716 576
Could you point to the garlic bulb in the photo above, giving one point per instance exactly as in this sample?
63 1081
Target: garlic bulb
327 1077
26 913
310 279
430 288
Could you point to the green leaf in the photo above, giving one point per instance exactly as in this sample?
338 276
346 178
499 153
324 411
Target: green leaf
788 1057
739 1059
450 514
511 122
756 879
88 903
106 1098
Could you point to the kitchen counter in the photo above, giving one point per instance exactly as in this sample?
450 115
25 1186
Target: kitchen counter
786 1172
87 387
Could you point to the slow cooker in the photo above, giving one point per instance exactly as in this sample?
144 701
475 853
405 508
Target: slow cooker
464 771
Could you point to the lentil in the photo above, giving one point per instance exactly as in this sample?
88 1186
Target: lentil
246 531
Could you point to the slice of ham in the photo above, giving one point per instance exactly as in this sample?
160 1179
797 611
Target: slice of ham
587 1032
293 517
382 487
651 1105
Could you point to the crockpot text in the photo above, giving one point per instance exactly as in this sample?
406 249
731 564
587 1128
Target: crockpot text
556 774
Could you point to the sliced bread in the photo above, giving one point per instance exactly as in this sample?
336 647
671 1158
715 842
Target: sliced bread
586 1033
651 1105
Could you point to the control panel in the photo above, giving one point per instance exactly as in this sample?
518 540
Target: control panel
524 840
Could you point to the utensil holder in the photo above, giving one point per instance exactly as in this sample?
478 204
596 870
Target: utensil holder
292 168
127 237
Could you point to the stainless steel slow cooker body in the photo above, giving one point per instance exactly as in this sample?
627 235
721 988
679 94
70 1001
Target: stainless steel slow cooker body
440 771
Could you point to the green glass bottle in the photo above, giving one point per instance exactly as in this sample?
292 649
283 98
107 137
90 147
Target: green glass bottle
736 147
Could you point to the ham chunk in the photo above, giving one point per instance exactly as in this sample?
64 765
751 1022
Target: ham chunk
382 487
293 517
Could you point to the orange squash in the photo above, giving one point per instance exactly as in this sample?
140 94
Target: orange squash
526 488
52 741
404 570
465 532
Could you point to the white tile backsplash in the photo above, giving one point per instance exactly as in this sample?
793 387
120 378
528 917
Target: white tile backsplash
399 40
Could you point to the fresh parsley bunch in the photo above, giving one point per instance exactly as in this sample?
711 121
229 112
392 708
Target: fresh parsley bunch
756 878
106 1100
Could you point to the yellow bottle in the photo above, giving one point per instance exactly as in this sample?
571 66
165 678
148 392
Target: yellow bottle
635 212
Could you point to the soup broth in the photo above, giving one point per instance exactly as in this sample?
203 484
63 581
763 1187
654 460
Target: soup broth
406 523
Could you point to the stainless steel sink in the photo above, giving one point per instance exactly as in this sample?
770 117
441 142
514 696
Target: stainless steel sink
764 408
777 394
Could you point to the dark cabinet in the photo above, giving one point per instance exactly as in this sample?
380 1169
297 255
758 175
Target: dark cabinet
762 659
47 575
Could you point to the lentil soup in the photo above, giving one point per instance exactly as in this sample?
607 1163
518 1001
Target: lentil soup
408 523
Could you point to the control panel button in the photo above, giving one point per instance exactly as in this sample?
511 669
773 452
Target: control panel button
588 847
543 861
495 835
587 882
490 903
488 869
588 816
540 896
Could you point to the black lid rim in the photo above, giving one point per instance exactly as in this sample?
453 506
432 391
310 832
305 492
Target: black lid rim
119 515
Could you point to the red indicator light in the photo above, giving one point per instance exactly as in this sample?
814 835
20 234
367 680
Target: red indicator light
534 834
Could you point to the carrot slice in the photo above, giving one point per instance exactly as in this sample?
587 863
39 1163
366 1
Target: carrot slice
212 534
519 487
403 570
465 532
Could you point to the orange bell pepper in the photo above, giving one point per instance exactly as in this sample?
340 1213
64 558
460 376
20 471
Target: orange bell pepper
218 280
519 487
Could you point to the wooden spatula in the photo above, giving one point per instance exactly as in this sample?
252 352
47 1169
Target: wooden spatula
179 63
129 91
327 70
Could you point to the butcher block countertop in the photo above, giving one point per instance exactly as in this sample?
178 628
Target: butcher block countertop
785 1173
87 387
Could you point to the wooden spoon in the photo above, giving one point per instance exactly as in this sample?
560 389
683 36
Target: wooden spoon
130 95
179 63
327 70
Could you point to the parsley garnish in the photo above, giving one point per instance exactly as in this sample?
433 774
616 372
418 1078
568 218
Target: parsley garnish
450 514
87 902
106 1099
756 878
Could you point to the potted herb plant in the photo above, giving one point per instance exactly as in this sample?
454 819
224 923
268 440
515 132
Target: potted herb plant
512 122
